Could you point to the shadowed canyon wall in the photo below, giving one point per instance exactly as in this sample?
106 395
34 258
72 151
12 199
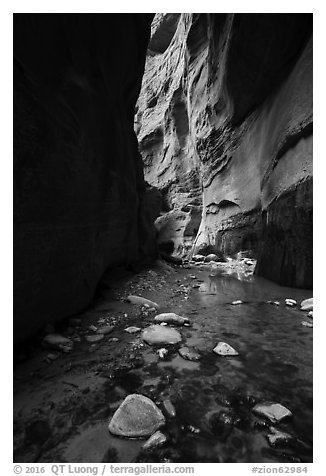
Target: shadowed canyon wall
224 122
80 204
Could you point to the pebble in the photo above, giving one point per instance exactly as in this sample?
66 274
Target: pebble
94 338
276 303
157 439
222 348
162 353
290 302
136 417
58 342
237 302
157 334
171 318
141 301
105 330
307 305
275 412
132 329
188 353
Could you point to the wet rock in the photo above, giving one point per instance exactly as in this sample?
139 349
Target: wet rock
105 330
132 329
162 353
189 353
140 301
211 257
307 305
191 429
114 339
275 412
157 439
92 328
169 408
137 417
94 338
275 303
171 318
196 285
53 356
198 258
290 302
157 334
307 324
310 314
235 303
222 348
57 342
278 438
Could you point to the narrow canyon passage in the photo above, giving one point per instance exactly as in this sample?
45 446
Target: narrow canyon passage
163 205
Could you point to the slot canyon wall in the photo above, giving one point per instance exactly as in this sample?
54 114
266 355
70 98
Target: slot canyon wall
80 201
224 123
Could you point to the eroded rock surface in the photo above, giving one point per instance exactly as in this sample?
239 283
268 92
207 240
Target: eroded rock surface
80 201
224 122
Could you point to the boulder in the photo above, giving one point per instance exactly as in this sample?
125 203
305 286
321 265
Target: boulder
171 318
161 335
307 305
189 353
275 412
211 257
136 417
222 348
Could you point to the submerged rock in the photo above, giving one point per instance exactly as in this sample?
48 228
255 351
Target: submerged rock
136 417
157 439
307 304
171 318
278 438
105 330
275 412
169 408
189 353
157 334
94 338
58 342
222 348
290 302
142 301
132 329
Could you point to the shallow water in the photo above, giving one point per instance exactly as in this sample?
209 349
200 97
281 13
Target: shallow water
274 364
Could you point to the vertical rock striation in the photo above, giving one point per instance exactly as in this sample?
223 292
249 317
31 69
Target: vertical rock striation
81 203
224 122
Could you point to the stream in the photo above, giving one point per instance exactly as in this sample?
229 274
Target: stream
214 396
